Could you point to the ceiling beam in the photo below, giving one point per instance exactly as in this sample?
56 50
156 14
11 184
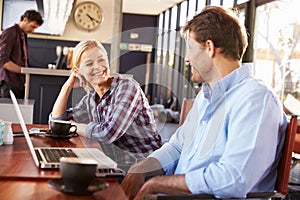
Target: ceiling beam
40 6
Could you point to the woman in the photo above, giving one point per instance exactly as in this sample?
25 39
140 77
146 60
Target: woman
115 109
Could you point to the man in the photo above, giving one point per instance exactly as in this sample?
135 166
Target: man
230 143
14 53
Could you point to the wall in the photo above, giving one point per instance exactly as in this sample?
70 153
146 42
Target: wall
134 62
144 25
42 47
103 33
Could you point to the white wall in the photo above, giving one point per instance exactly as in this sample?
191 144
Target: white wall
104 33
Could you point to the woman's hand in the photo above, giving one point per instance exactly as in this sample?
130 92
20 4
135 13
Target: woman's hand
76 80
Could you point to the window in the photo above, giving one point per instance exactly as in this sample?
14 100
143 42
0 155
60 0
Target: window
228 3
200 6
192 9
277 48
215 2
183 13
172 70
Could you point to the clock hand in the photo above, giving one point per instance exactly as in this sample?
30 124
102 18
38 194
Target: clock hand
92 19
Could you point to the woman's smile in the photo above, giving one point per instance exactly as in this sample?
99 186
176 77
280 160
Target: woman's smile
95 67
99 73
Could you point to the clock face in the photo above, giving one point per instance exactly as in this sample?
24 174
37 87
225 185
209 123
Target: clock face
88 16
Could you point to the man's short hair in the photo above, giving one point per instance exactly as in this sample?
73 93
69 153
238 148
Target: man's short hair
221 26
33 15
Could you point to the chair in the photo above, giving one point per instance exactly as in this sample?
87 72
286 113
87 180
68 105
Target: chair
297 141
281 187
185 109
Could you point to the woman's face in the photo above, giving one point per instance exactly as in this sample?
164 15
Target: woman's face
94 66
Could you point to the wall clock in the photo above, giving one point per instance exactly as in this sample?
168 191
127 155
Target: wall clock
88 16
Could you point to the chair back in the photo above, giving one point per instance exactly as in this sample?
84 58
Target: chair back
284 166
187 104
297 141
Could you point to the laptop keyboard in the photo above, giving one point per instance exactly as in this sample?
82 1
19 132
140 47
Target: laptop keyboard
53 155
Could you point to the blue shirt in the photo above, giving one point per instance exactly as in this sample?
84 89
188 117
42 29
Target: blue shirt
230 143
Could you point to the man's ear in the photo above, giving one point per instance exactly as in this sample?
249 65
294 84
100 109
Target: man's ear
210 48
25 19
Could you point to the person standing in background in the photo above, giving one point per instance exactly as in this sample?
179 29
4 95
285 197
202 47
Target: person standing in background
14 53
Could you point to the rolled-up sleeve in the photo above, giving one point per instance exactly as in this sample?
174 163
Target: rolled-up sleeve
169 154
78 113
6 45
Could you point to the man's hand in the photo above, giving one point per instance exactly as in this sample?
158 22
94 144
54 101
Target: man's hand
12 67
136 175
174 184
148 188
132 183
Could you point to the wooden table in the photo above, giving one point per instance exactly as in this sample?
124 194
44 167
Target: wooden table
21 179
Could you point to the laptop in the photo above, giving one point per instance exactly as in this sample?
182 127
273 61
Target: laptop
48 157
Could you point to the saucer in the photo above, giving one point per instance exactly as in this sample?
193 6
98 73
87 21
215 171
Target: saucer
60 137
96 185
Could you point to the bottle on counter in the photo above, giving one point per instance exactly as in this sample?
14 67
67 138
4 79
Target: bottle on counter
8 134
2 131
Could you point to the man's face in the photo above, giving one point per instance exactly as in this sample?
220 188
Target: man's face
29 26
198 59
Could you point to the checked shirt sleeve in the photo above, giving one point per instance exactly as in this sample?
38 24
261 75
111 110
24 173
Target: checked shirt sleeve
78 113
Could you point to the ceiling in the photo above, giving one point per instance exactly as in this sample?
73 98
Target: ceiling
148 7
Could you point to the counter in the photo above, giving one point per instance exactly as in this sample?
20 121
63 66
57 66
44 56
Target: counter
40 71
43 85
8 113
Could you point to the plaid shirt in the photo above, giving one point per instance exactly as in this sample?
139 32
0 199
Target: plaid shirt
122 117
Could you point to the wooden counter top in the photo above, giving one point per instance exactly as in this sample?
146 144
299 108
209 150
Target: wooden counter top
43 71
20 178
55 72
